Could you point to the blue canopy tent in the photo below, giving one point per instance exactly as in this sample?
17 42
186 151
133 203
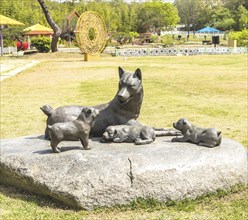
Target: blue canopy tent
208 30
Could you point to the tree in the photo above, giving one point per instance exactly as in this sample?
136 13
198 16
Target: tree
156 15
222 19
234 4
57 31
242 17
237 9
189 12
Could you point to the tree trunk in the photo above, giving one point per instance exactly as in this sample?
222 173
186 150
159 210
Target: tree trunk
188 28
57 31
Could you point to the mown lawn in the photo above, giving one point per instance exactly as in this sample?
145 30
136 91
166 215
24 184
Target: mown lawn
211 91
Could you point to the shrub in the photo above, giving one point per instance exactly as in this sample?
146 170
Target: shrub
42 44
133 34
121 37
167 40
241 37
154 39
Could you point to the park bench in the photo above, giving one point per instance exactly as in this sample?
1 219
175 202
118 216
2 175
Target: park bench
206 42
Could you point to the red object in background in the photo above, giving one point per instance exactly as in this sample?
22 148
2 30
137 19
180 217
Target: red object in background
23 45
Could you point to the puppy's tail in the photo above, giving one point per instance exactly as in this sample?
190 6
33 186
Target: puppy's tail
47 109
159 132
219 138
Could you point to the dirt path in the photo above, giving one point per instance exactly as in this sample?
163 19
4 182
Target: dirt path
10 66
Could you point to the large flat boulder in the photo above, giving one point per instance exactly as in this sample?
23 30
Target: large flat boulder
112 173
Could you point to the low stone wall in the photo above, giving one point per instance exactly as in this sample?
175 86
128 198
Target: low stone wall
8 50
174 51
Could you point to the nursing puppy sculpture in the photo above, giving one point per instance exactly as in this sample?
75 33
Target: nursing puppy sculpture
208 137
125 106
137 134
79 129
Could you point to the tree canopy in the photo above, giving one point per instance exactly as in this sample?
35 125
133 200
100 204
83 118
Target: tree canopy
121 16
156 15
222 14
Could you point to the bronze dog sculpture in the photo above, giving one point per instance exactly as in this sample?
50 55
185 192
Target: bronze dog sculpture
137 134
125 106
208 137
78 129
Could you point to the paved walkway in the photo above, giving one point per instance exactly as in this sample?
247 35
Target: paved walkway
10 68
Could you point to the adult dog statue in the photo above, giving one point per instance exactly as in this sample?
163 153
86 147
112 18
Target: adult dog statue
124 107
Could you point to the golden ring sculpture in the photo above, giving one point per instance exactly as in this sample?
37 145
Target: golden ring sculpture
91 33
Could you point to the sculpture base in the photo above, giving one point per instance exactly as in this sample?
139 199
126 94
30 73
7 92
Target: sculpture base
114 174
91 57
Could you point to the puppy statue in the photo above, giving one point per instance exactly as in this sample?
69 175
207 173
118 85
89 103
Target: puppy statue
208 137
77 129
129 133
137 134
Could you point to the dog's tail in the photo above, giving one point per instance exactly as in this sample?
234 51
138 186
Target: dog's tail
159 132
47 109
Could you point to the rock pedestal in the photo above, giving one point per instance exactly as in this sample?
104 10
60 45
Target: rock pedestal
112 173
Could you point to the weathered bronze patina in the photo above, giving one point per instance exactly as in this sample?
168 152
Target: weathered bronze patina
208 137
124 107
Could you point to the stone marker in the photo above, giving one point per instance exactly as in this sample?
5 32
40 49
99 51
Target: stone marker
112 173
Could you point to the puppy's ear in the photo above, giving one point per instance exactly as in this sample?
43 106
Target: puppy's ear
185 121
89 111
115 133
121 71
138 73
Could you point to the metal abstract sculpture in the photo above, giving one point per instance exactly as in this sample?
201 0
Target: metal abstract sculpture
91 34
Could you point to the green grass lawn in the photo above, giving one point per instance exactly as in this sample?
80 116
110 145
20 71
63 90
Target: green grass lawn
211 91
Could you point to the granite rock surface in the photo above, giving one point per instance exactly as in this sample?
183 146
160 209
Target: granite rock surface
114 173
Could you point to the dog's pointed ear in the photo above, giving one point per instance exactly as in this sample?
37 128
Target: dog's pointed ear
87 111
121 71
184 121
138 73
115 133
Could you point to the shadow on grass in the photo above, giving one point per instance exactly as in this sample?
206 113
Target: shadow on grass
147 204
41 201
69 60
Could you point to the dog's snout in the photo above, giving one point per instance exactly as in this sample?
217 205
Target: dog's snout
122 98
105 135
123 95
97 112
